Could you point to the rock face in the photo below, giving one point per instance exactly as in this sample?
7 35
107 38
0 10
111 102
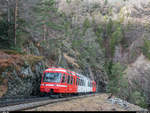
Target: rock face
26 82
19 77
139 73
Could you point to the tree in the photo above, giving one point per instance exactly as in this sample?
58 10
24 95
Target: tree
15 20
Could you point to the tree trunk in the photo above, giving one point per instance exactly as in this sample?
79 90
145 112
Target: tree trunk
15 20
91 74
44 31
8 18
59 57
8 12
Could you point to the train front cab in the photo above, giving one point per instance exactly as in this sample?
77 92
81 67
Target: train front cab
58 82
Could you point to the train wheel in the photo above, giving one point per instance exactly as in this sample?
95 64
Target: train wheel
55 96
41 94
60 95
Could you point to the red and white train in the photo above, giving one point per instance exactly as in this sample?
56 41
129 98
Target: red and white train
62 81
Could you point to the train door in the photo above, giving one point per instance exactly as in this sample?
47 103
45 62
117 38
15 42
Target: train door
74 84
71 84
69 88
68 82
77 84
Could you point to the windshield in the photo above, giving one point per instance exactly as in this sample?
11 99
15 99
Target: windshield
52 77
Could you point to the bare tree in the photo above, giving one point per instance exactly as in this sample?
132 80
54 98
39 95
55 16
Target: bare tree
15 20
8 11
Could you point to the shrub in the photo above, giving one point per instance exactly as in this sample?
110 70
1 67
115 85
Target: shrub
68 1
146 48
138 98
116 38
77 43
86 25
116 80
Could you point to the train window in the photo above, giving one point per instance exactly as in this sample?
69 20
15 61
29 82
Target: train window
74 81
63 78
77 82
68 81
52 77
66 78
80 82
71 79
83 83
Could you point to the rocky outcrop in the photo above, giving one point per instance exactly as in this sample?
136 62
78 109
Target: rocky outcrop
20 77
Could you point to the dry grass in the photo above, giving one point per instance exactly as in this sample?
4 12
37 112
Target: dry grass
16 60
3 90
96 103
7 60
3 87
31 59
71 60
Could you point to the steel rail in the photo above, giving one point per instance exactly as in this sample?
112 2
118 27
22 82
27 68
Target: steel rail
31 104
15 101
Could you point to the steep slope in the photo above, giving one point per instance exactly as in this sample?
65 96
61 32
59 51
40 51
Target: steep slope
98 38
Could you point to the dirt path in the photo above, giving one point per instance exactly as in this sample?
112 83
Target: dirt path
96 103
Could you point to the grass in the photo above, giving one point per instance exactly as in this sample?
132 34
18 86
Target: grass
31 59
12 52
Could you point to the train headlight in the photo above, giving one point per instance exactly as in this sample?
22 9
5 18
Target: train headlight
42 84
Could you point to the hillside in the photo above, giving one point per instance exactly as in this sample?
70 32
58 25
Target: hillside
106 40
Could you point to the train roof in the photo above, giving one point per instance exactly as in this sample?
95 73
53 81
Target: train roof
82 76
67 71
56 69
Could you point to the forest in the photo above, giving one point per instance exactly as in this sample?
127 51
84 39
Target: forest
106 40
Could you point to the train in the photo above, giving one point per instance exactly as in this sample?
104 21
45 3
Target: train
62 82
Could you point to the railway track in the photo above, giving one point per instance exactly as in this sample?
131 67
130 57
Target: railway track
24 104
14 101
